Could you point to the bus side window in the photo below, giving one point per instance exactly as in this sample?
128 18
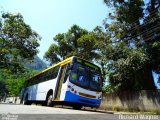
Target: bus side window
41 78
30 82
55 72
33 80
38 79
47 75
51 74
68 70
27 83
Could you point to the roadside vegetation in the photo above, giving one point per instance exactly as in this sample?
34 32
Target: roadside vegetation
18 45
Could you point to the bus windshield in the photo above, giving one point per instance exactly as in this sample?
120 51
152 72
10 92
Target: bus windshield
85 77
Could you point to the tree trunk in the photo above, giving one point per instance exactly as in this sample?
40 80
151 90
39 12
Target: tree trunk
148 78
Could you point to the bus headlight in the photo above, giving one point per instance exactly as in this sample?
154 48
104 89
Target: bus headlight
72 89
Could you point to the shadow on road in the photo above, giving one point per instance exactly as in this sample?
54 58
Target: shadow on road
86 109
67 107
98 111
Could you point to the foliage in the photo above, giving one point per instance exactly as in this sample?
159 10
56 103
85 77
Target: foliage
76 41
125 67
108 89
18 45
66 44
101 43
18 42
133 50
13 83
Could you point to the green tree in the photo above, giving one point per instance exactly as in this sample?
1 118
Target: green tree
101 43
151 32
18 42
87 47
11 84
76 41
133 50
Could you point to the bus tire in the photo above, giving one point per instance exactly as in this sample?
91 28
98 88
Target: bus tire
25 100
49 100
21 101
78 107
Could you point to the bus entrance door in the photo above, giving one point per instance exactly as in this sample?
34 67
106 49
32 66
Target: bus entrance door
59 82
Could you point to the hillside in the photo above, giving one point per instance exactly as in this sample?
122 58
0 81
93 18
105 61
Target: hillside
37 64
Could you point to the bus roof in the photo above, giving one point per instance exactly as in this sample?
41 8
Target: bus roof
68 60
59 63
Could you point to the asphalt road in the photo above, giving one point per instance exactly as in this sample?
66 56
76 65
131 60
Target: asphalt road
33 112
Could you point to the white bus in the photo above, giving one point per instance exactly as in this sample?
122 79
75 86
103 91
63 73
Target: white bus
73 81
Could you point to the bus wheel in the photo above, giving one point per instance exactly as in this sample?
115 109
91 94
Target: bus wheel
78 107
49 100
25 100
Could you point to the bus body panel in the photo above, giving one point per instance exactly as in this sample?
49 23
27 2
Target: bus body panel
39 91
75 98
73 94
83 96
43 88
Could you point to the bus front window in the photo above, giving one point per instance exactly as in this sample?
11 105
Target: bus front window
95 81
85 77
79 76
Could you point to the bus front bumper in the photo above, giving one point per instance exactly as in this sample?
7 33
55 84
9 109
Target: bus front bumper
71 97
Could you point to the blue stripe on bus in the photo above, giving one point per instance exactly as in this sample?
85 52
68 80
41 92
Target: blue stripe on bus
71 97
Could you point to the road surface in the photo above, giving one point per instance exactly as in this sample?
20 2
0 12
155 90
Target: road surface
33 112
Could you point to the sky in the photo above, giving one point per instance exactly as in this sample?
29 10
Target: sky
50 17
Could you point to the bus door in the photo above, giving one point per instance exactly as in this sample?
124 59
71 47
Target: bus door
59 82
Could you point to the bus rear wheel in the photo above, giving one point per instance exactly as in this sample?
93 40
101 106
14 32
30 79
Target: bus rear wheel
49 100
25 100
